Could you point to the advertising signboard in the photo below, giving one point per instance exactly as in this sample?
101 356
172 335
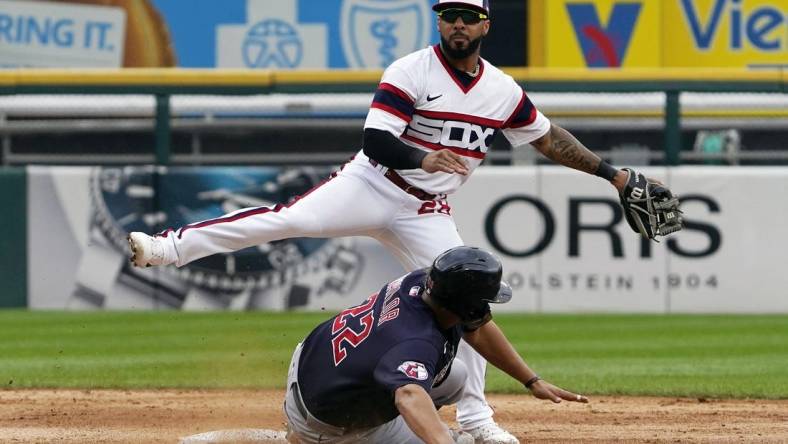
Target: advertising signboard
659 33
561 236
257 34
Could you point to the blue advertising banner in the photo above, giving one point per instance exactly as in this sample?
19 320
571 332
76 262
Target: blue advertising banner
297 33
42 34
262 34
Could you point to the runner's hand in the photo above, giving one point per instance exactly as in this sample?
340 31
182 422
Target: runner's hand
544 390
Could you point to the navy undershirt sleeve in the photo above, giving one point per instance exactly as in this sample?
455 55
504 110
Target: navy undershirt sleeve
387 150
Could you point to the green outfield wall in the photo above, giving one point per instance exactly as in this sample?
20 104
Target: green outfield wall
13 237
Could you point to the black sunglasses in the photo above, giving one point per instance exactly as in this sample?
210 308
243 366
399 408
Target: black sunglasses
468 16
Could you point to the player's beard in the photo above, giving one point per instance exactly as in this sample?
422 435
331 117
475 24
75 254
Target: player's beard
459 53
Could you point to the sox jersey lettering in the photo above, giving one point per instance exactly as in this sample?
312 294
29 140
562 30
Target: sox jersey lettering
351 365
423 100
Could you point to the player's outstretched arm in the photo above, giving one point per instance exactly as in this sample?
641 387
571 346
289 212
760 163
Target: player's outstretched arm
560 146
416 407
492 344
650 216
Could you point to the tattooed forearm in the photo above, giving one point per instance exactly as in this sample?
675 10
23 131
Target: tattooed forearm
562 147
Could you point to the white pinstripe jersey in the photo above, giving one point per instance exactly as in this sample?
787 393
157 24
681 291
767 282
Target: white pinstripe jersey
422 100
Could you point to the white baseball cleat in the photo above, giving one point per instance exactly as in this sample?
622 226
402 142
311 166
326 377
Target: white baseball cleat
147 250
492 433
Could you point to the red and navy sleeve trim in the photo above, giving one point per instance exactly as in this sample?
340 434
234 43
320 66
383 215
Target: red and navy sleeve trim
524 114
394 101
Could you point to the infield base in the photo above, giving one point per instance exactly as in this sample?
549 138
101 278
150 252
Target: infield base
245 436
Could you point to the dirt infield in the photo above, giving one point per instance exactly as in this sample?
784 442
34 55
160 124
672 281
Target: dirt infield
121 416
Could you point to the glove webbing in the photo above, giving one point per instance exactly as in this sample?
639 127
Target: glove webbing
654 209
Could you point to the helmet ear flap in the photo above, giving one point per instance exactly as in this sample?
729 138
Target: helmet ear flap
474 324
438 295
429 287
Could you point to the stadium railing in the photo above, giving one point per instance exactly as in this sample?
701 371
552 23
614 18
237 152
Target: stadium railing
163 84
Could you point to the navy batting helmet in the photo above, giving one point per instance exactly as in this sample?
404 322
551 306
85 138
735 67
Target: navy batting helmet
465 280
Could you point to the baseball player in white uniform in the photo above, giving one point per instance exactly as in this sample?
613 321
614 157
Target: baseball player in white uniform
432 120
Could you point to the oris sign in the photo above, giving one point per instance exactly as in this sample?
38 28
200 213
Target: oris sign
577 228
566 246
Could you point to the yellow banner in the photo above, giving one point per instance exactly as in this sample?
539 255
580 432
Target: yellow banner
660 33
602 33
734 33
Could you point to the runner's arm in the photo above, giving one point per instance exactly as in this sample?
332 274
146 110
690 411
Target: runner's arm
416 407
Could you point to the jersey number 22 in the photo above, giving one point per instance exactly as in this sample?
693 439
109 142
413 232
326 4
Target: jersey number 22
342 334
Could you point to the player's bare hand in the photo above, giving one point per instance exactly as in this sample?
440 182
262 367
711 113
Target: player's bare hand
445 161
544 390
